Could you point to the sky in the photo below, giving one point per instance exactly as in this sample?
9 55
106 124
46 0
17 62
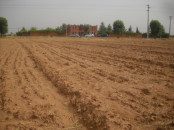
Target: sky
52 13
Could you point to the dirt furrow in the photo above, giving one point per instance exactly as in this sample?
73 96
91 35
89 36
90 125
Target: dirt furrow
113 60
108 83
28 99
83 103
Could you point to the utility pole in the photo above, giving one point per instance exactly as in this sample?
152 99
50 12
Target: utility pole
170 24
66 30
148 7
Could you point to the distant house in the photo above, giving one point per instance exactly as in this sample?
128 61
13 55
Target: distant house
79 29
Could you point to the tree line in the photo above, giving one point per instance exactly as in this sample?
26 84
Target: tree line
118 28
156 29
60 30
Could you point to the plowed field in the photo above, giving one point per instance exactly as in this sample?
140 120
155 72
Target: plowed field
83 83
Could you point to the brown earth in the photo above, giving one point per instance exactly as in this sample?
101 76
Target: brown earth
83 83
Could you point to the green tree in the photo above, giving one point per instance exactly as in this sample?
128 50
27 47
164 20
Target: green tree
109 29
162 31
33 29
23 30
157 30
49 30
86 28
118 27
61 29
137 31
102 28
3 25
58 29
130 29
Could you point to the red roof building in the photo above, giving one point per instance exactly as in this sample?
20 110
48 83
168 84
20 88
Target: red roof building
79 29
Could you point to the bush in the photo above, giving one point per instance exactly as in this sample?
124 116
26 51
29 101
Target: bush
130 33
165 35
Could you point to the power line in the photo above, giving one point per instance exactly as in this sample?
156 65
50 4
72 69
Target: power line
148 7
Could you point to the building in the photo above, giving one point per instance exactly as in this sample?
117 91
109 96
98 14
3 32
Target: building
79 29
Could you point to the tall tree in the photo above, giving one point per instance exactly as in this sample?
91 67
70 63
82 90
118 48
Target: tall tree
3 26
118 27
102 28
109 29
86 28
61 29
23 30
157 30
130 29
162 31
137 31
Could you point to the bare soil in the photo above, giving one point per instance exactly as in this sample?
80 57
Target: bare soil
83 83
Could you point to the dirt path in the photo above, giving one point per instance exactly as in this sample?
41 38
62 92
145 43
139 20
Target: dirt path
101 83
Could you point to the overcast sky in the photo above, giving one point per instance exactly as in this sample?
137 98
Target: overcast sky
52 13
